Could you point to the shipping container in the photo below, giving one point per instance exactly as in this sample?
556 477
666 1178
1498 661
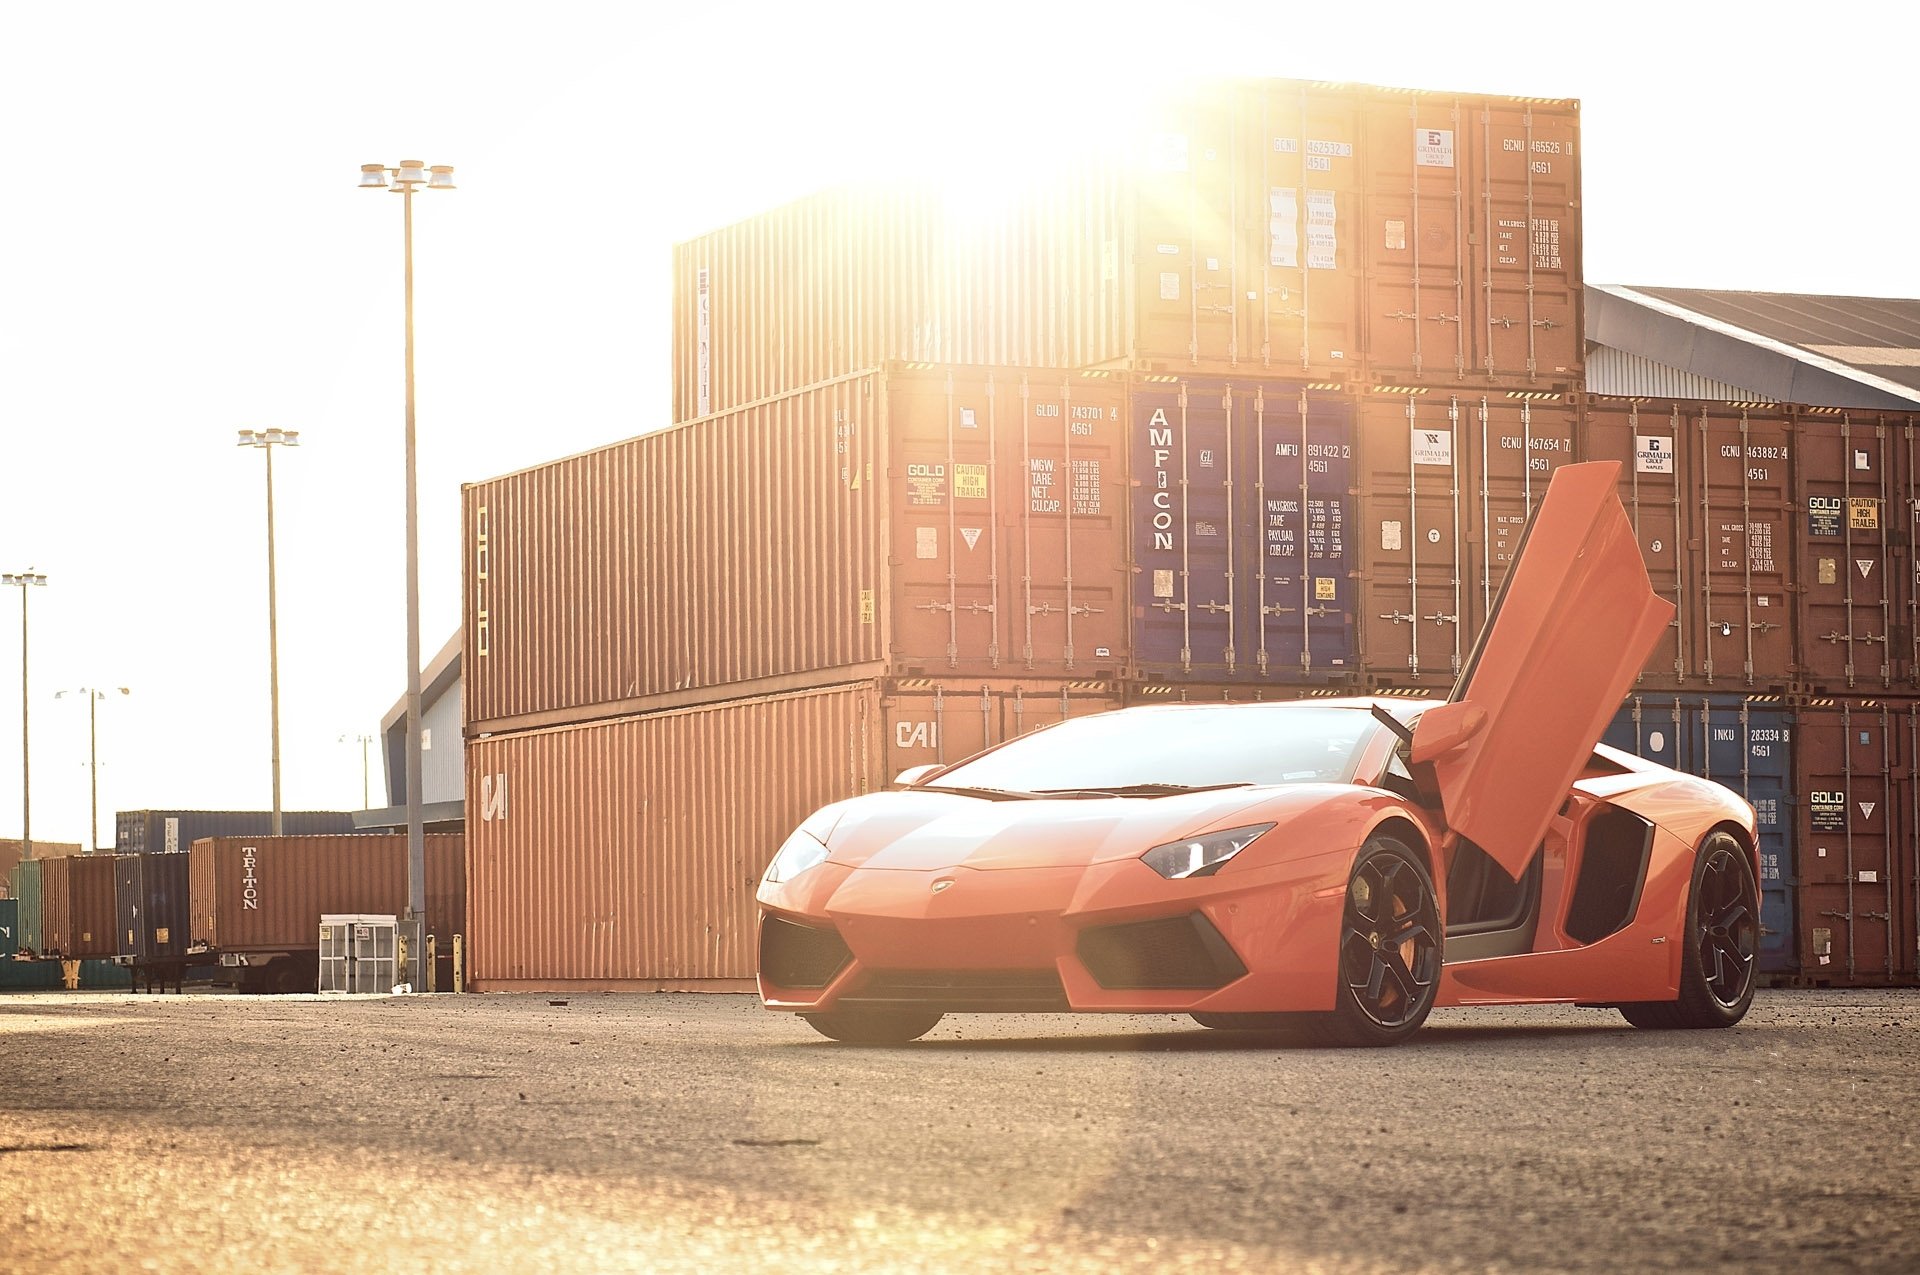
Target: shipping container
1242 504
1250 228
1473 241
174 831
1853 567
1856 828
77 919
259 894
17 975
1711 491
908 522
1745 744
625 853
24 884
1446 483
152 907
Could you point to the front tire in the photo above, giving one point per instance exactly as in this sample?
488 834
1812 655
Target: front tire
874 1026
1389 956
1722 937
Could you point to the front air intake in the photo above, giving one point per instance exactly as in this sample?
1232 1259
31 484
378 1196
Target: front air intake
1174 952
800 955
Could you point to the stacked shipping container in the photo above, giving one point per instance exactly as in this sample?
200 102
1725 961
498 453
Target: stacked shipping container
1315 352
1271 228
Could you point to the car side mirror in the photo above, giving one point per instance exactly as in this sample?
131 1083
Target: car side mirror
914 774
1441 730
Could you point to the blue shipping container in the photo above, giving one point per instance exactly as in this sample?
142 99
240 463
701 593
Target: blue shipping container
21 976
1243 568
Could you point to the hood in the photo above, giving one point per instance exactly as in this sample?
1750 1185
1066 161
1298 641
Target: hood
919 831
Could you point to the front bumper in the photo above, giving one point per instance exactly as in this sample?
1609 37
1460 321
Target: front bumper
1112 937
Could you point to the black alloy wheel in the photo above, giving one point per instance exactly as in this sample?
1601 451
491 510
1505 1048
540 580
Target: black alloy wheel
874 1026
1721 941
1390 937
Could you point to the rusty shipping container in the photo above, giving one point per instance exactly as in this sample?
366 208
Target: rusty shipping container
1446 482
1711 489
909 522
1858 826
1242 508
1268 227
1855 507
625 853
77 907
263 894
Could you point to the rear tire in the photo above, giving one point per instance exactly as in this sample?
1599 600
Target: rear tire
1722 940
874 1026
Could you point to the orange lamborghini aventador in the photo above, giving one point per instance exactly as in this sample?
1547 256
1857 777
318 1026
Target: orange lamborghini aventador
1335 868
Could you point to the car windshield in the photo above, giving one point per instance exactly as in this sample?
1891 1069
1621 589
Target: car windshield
1168 749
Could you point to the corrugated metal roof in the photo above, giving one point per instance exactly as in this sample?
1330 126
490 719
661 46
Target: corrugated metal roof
1880 335
1616 372
1848 352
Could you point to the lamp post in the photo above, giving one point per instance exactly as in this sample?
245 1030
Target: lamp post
363 741
410 175
93 756
25 579
266 440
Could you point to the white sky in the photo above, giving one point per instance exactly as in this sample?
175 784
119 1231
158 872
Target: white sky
183 252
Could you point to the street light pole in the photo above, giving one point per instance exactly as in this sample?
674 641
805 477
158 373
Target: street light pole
24 579
365 790
411 173
93 757
266 440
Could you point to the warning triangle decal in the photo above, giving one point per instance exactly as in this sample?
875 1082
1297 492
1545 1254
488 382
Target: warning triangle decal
971 535
1865 565
1866 809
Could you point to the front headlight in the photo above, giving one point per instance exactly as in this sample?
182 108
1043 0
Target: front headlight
800 852
1202 856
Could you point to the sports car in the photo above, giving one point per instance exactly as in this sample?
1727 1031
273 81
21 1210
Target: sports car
1331 867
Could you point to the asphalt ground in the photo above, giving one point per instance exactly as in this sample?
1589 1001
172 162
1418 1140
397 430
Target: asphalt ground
212 1133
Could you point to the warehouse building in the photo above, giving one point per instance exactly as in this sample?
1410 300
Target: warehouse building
442 764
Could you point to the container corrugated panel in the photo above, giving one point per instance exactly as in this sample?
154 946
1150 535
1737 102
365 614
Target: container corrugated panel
1243 231
1747 745
1242 565
1263 228
1472 240
1904 512
25 883
849 279
155 831
21 976
268 893
77 906
1711 491
1448 482
1856 840
625 853
152 905
934 521
1851 512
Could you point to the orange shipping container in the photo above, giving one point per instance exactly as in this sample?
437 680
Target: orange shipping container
1711 489
1271 227
76 908
908 522
1447 482
254 894
625 853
